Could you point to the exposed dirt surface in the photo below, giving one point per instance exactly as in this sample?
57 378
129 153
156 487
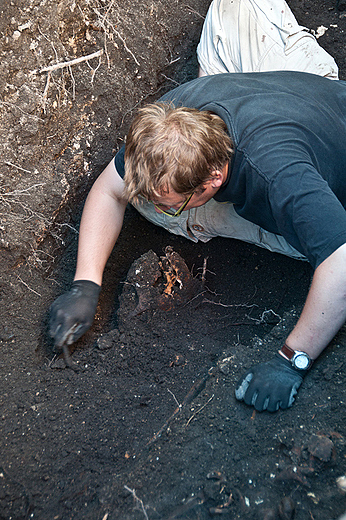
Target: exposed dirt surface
146 425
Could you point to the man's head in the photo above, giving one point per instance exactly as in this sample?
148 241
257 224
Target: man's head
173 150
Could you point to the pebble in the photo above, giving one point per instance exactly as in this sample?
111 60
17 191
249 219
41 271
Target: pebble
58 364
320 447
286 508
108 340
216 475
178 360
225 365
341 483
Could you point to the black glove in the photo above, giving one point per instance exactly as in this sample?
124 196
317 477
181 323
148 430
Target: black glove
72 314
271 385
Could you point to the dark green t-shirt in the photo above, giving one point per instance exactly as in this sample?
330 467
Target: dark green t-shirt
288 173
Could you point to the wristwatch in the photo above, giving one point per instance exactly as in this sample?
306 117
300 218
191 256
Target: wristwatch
300 360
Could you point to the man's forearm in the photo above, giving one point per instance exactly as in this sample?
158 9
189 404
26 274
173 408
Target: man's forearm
100 227
325 308
72 314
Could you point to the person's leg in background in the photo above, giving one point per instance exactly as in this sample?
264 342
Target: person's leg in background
259 36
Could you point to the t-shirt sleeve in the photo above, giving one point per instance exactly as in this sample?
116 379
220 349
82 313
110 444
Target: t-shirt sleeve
307 212
119 162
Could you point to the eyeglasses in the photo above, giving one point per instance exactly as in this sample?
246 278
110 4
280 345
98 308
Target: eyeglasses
173 213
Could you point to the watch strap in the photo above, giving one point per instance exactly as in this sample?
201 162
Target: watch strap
289 353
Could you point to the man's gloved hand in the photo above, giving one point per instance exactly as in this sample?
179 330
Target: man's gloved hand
72 314
271 385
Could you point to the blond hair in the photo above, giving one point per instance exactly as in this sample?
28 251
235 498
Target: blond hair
173 148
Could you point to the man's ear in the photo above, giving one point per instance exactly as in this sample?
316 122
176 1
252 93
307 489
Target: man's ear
216 180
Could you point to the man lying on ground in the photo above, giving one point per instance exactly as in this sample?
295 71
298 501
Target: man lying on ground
257 156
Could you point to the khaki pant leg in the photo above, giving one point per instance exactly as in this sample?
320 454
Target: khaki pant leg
259 36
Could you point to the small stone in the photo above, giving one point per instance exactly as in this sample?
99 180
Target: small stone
16 35
178 360
106 341
320 447
58 364
24 26
103 344
286 508
225 365
341 483
216 475
145 400
313 497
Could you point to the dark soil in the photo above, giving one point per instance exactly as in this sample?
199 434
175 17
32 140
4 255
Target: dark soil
146 425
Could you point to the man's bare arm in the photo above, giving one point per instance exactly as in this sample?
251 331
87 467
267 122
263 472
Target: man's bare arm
325 308
101 224
73 312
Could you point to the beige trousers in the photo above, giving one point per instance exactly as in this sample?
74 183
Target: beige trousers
259 36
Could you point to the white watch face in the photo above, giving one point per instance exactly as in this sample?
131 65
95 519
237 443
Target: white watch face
301 361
